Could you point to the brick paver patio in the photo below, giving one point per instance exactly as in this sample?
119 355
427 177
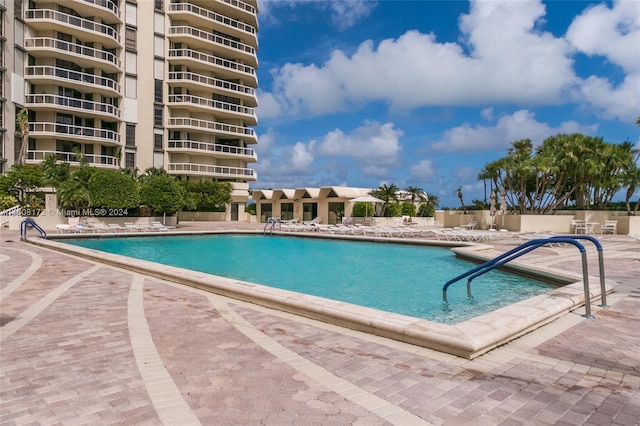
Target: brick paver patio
86 343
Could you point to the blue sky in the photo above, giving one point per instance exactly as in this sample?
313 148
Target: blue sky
425 93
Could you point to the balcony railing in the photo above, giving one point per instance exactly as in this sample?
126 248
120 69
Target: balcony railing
106 4
205 169
80 104
241 5
67 74
69 157
85 24
214 60
211 147
211 125
233 23
72 48
196 100
78 131
214 82
212 38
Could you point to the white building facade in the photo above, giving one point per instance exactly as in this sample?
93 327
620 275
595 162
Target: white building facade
135 84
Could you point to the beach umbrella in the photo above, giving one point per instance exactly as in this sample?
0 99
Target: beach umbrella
366 199
492 207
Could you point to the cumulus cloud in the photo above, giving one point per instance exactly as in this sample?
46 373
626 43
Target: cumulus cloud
509 128
424 171
370 141
613 33
503 58
610 32
509 61
372 149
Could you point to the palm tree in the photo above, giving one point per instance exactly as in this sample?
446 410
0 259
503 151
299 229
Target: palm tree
458 192
638 121
386 194
22 118
416 194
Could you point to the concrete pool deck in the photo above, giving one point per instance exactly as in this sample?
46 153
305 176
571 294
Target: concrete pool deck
141 350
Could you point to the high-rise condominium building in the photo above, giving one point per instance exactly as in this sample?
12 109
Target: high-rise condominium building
138 83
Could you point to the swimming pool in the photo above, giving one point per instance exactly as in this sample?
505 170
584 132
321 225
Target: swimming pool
395 278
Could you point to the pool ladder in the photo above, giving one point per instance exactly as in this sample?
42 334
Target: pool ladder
271 224
25 224
532 245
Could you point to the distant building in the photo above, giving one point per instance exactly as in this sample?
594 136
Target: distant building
135 84
330 203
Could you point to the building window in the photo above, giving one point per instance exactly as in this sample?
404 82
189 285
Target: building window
157 115
130 38
158 91
157 141
129 160
159 4
131 135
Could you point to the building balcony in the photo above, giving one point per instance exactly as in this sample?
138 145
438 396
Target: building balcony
77 80
74 133
84 107
223 67
221 172
213 127
100 161
195 81
220 109
216 150
107 10
208 19
236 9
197 38
86 57
47 20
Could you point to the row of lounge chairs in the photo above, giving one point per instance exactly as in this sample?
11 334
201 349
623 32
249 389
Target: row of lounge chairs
98 227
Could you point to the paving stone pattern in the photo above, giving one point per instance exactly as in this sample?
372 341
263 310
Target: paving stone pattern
67 358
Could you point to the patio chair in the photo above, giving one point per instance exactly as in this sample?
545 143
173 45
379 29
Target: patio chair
609 226
579 226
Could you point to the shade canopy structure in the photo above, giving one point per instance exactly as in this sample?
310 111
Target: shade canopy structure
366 199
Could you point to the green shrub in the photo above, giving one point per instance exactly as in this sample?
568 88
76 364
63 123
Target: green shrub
163 194
408 209
426 210
112 189
393 210
7 201
251 208
362 209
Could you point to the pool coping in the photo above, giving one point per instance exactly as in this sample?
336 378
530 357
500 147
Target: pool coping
467 339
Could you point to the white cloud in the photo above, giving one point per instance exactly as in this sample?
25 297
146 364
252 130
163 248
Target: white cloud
343 13
503 58
370 141
610 32
346 14
509 61
509 128
487 114
268 106
424 171
613 33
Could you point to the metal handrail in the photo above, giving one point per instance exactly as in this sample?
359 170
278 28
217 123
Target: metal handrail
25 224
600 249
521 250
272 221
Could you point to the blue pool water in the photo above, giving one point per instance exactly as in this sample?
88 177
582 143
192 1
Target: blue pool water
392 277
